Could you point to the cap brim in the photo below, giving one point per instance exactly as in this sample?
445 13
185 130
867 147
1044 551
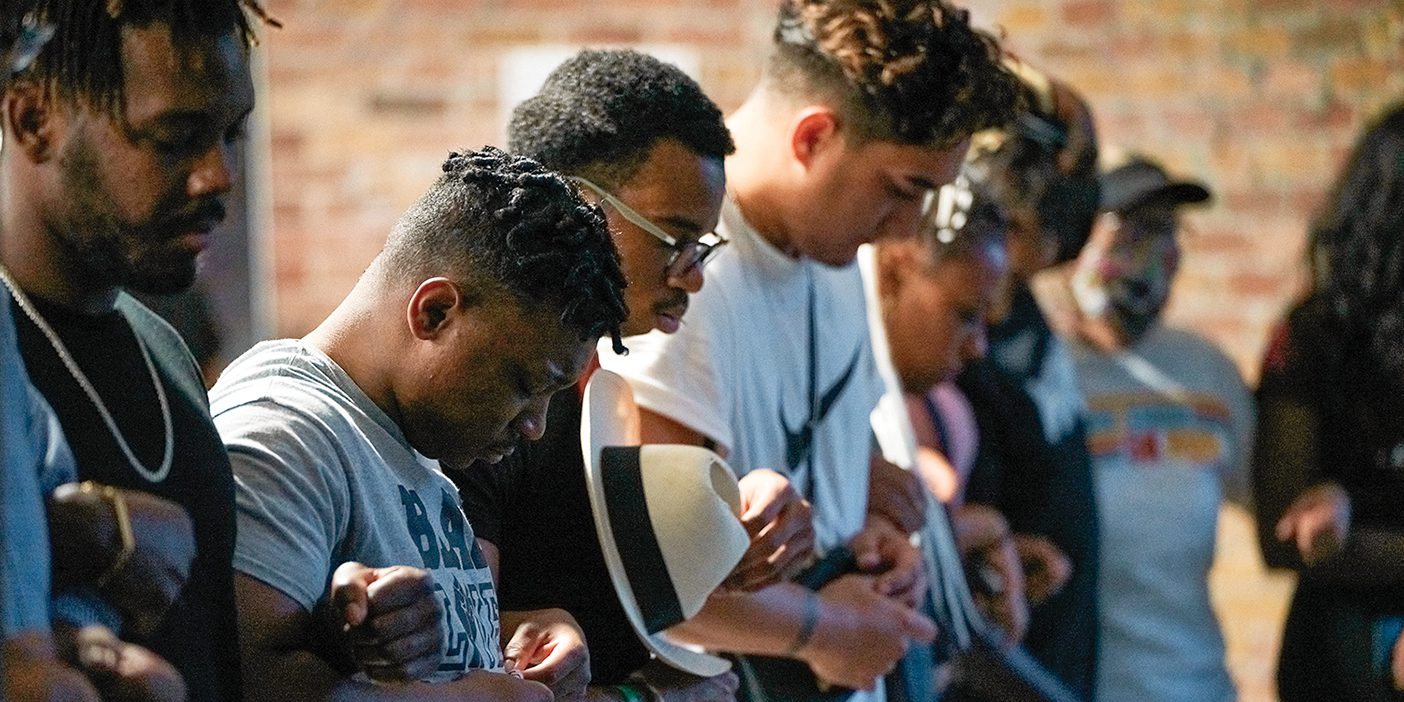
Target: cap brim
610 418
1179 193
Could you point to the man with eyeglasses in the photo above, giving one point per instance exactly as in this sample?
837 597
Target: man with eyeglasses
640 138
864 108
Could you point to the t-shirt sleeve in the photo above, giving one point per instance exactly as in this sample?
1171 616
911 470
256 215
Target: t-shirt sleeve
1294 365
291 497
687 376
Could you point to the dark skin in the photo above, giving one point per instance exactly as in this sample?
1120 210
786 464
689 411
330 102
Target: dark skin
464 370
85 542
94 202
91 201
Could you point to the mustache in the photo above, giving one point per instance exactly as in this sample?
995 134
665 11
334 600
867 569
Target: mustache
203 214
676 302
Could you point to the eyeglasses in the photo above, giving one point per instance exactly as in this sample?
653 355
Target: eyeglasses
685 254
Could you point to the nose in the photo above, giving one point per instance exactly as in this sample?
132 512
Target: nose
690 281
531 423
213 173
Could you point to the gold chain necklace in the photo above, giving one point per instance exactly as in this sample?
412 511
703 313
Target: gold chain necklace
154 476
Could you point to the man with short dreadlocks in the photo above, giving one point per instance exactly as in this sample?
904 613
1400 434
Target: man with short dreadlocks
354 558
117 156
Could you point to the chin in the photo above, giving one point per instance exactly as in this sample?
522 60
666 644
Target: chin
167 281
832 261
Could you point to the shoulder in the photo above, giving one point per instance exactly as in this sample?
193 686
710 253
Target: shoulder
1194 345
1298 350
275 389
280 372
168 350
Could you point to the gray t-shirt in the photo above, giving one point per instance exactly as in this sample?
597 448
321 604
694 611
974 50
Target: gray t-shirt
1170 430
324 476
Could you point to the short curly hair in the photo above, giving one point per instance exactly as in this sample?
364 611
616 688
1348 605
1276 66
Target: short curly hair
506 221
906 71
601 112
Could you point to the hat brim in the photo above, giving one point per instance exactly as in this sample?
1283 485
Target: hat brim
1178 193
611 418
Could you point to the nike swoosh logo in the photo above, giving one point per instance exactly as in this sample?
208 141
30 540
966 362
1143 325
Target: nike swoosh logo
798 442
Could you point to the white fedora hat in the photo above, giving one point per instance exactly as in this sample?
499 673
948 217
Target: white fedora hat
667 520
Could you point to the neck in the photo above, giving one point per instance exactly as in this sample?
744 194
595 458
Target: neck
1053 291
35 256
1101 336
754 173
353 336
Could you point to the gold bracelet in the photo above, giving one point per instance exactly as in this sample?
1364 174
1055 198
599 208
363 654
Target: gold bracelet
118 502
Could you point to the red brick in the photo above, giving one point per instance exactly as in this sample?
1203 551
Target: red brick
1335 33
1088 13
1257 285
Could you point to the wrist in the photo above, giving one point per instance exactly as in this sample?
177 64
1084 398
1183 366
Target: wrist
122 525
636 692
809 626
650 692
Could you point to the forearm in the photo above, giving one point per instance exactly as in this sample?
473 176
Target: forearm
764 622
33 672
1285 463
271 676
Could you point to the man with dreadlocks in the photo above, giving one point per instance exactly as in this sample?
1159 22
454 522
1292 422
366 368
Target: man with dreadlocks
487 299
117 156
864 108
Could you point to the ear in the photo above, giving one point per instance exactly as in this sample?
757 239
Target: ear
816 129
433 307
32 122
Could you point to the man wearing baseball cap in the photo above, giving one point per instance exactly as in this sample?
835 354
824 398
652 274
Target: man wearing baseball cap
1169 428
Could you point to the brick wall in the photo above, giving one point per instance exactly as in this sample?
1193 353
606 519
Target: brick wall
365 97
1259 98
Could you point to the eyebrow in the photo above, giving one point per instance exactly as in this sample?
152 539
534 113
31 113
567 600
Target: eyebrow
682 223
922 182
185 117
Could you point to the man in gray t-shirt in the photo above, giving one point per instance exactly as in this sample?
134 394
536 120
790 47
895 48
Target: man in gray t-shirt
354 561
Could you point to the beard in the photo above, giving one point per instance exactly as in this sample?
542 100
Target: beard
109 250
